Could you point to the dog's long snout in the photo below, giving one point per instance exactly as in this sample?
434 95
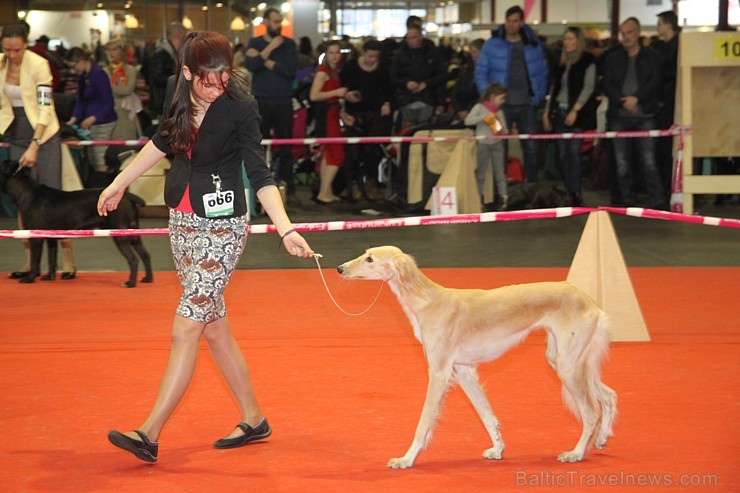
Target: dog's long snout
340 269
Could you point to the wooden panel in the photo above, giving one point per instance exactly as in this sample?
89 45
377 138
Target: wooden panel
7 13
715 93
704 49
711 184
707 98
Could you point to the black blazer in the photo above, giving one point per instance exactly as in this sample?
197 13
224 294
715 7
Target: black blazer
649 79
228 136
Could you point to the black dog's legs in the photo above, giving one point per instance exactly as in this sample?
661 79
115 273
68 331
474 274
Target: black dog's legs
37 246
124 246
145 257
51 252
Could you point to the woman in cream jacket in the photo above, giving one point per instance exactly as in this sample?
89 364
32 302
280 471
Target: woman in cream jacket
123 84
28 120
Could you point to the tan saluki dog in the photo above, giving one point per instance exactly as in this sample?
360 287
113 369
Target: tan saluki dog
460 328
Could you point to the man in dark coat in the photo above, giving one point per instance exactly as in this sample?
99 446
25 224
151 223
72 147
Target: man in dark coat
161 64
419 73
633 78
273 60
668 30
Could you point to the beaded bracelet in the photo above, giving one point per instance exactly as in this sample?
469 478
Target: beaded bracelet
291 230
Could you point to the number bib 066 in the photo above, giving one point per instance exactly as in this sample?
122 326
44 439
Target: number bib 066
219 204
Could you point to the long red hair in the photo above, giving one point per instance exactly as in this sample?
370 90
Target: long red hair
203 53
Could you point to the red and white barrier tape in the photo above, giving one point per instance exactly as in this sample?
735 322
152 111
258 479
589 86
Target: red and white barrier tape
556 136
676 130
428 220
130 143
674 216
394 222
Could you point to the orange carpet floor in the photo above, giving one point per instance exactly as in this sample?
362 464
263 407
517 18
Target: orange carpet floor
343 394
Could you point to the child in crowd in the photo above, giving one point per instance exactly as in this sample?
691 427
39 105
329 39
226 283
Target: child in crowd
489 121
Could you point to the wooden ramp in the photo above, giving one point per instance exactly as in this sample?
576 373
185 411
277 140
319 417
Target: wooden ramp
599 269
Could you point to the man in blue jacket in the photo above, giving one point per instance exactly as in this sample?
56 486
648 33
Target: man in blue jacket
273 60
513 57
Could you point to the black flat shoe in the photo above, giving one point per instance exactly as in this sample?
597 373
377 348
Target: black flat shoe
143 449
66 276
17 275
324 202
250 435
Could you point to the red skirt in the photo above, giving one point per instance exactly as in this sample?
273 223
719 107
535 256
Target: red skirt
333 153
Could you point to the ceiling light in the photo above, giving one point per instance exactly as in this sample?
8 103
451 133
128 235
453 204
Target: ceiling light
131 22
237 24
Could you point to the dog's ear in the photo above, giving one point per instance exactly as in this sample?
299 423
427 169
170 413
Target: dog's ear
405 267
409 275
10 165
7 168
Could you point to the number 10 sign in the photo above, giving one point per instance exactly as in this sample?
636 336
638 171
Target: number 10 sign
727 47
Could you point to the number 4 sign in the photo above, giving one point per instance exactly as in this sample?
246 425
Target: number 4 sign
444 201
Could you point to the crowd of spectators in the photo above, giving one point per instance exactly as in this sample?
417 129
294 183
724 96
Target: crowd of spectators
385 87
395 87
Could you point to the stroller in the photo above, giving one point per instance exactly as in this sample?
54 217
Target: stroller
388 172
369 167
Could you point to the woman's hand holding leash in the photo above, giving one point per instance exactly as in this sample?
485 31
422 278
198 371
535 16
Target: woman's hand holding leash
28 159
295 244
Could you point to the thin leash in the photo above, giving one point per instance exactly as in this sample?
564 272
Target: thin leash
316 257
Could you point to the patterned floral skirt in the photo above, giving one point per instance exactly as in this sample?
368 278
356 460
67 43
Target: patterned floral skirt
206 252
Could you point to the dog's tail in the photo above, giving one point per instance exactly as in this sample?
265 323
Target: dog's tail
598 395
597 352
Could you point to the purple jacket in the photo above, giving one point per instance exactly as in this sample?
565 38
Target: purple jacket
94 97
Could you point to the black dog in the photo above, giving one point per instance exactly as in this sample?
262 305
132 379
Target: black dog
42 207
539 196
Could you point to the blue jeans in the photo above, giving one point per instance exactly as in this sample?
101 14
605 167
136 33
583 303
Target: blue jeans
569 152
525 118
640 151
